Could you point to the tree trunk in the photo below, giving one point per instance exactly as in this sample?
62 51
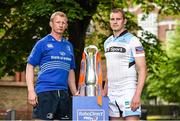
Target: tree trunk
77 35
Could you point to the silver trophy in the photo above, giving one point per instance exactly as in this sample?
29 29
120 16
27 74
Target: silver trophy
90 86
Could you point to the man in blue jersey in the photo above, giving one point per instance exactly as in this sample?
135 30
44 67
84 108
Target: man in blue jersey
55 57
126 70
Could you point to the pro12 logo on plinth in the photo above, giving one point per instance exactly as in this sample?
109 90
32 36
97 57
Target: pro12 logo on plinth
91 114
85 108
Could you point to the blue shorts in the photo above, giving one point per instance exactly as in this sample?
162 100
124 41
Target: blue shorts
52 105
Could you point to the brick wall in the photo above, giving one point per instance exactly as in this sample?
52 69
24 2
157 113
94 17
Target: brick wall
13 95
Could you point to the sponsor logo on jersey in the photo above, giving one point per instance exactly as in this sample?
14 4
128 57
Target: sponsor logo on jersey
49 45
62 53
116 49
68 48
60 58
139 50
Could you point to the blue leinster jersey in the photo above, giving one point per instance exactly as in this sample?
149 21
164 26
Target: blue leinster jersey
55 59
120 53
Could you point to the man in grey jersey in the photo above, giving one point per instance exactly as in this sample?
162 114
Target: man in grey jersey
126 70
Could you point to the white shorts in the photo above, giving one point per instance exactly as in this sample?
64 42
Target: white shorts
119 105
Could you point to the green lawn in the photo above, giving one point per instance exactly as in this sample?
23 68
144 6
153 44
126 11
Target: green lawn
164 117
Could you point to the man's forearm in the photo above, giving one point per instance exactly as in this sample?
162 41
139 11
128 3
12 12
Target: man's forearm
141 80
30 77
72 82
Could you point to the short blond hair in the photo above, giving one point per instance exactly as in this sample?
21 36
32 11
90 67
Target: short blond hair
118 10
58 13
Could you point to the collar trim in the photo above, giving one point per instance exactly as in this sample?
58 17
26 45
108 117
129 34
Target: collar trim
122 33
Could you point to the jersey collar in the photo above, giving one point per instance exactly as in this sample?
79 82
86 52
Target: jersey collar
53 39
122 33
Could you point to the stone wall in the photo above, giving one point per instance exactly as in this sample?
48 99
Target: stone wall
13 95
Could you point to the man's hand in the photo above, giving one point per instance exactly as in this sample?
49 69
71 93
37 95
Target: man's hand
135 103
32 98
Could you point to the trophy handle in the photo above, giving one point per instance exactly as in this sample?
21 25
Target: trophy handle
90 46
81 85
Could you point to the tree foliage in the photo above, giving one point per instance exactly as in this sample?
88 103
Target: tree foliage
22 23
168 81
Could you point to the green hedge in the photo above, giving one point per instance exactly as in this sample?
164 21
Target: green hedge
162 109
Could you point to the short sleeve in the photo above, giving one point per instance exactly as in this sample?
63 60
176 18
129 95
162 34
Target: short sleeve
35 55
137 48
